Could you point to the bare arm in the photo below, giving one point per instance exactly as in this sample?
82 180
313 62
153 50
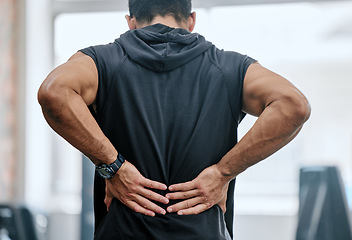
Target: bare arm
64 97
282 111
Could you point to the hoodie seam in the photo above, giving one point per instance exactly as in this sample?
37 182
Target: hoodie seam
226 85
156 34
100 117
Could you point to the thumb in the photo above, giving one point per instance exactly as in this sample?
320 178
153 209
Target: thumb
107 202
108 198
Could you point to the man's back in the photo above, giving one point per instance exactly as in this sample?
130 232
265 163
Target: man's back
170 102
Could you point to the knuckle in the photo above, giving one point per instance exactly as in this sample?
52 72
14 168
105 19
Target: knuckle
129 195
208 204
202 192
123 199
137 181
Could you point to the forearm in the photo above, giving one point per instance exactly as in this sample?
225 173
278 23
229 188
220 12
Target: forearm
69 116
276 126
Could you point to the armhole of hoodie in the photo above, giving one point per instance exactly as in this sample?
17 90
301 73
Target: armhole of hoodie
108 59
247 61
234 67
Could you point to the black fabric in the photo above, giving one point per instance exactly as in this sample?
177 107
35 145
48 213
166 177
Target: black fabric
170 102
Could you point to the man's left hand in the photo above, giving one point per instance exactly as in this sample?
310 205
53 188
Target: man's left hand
206 190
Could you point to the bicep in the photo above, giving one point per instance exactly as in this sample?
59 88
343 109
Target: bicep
261 87
78 74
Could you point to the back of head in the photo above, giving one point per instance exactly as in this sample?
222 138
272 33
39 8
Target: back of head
146 10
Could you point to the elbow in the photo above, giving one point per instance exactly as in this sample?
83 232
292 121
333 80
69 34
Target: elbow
46 95
306 111
42 95
301 109
49 95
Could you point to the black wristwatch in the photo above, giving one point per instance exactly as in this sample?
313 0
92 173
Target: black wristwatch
108 171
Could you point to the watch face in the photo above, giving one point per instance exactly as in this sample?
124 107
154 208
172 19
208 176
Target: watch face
105 172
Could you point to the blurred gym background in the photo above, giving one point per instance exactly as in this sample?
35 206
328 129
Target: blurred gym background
46 185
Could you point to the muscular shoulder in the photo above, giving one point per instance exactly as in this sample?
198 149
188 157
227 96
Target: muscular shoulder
107 55
229 60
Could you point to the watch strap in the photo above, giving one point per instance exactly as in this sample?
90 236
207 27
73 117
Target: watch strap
108 171
117 163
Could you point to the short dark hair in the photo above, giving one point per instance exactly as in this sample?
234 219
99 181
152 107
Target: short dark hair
146 10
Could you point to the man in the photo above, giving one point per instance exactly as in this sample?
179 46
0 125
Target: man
157 112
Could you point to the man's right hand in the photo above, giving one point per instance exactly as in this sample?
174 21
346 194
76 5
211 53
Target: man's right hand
135 191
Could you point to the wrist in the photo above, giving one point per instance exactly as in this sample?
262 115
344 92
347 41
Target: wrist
108 154
122 168
225 172
108 171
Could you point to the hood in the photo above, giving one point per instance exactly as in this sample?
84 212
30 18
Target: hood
161 48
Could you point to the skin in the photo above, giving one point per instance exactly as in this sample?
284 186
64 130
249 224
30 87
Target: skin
281 109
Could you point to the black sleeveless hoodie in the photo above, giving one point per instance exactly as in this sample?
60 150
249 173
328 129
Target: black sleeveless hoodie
170 102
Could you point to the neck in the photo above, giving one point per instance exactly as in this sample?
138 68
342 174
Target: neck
169 21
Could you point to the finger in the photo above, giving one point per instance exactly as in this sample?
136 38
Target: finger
107 202
185 204
223 207
148 205
194 210
107 191
108 197
153 184
153 196
183 186
139 209
183 195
